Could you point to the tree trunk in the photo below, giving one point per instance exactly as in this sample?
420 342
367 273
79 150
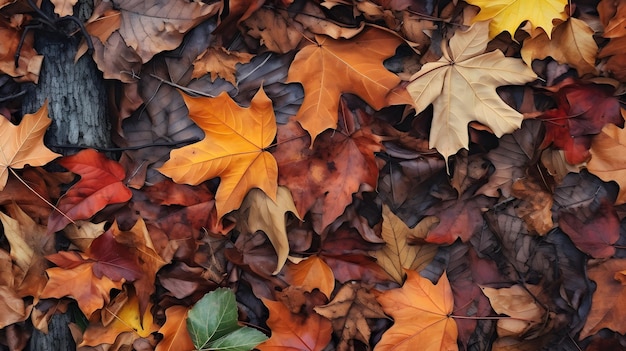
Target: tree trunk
76 98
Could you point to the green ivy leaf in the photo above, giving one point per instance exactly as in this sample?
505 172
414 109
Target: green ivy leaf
212 324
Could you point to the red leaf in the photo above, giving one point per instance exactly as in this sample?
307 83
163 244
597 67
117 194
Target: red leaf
100 185
596 235
113 259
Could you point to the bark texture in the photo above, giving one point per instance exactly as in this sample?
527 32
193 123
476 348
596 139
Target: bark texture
76 96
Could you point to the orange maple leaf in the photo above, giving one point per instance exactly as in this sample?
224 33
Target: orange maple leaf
175 333
421 313
233 149
295 331
75 278
23 145
330 67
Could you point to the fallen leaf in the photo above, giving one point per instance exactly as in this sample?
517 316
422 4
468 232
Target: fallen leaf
100 185
518 303
29 63
233 149
333 169
175 334
580 52
397 255
29 244
112 259
163 23
309 274
463 76
64 7
348 311
23 144
353 66
74 278
259 212
13 307
607 304
310 332
536 207
212 324
219 62
458 219
421 313
126 319
507 15
608 158
595 236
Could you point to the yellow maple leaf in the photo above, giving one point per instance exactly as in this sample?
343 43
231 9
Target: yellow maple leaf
462 88
333 67
233 149
23 144
507 15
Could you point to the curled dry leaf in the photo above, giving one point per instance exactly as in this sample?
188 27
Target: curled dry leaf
259 212
518 303
312 273
536 207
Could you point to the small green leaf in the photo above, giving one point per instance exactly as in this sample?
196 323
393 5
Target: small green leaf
212 324
242 339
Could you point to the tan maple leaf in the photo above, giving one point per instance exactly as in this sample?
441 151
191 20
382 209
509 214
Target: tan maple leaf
330 67
23 144
397 255
462 88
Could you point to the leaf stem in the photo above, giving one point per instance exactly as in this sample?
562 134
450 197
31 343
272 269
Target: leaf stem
41 197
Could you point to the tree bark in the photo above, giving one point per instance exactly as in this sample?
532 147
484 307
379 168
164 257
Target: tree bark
76 97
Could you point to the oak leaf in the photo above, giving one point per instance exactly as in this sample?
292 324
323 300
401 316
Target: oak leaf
421 313
580 52
507 15
608 158
349 311
23 144
466 76
397 255
295 331
329 68
259 212
100 185
233 149
74 277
